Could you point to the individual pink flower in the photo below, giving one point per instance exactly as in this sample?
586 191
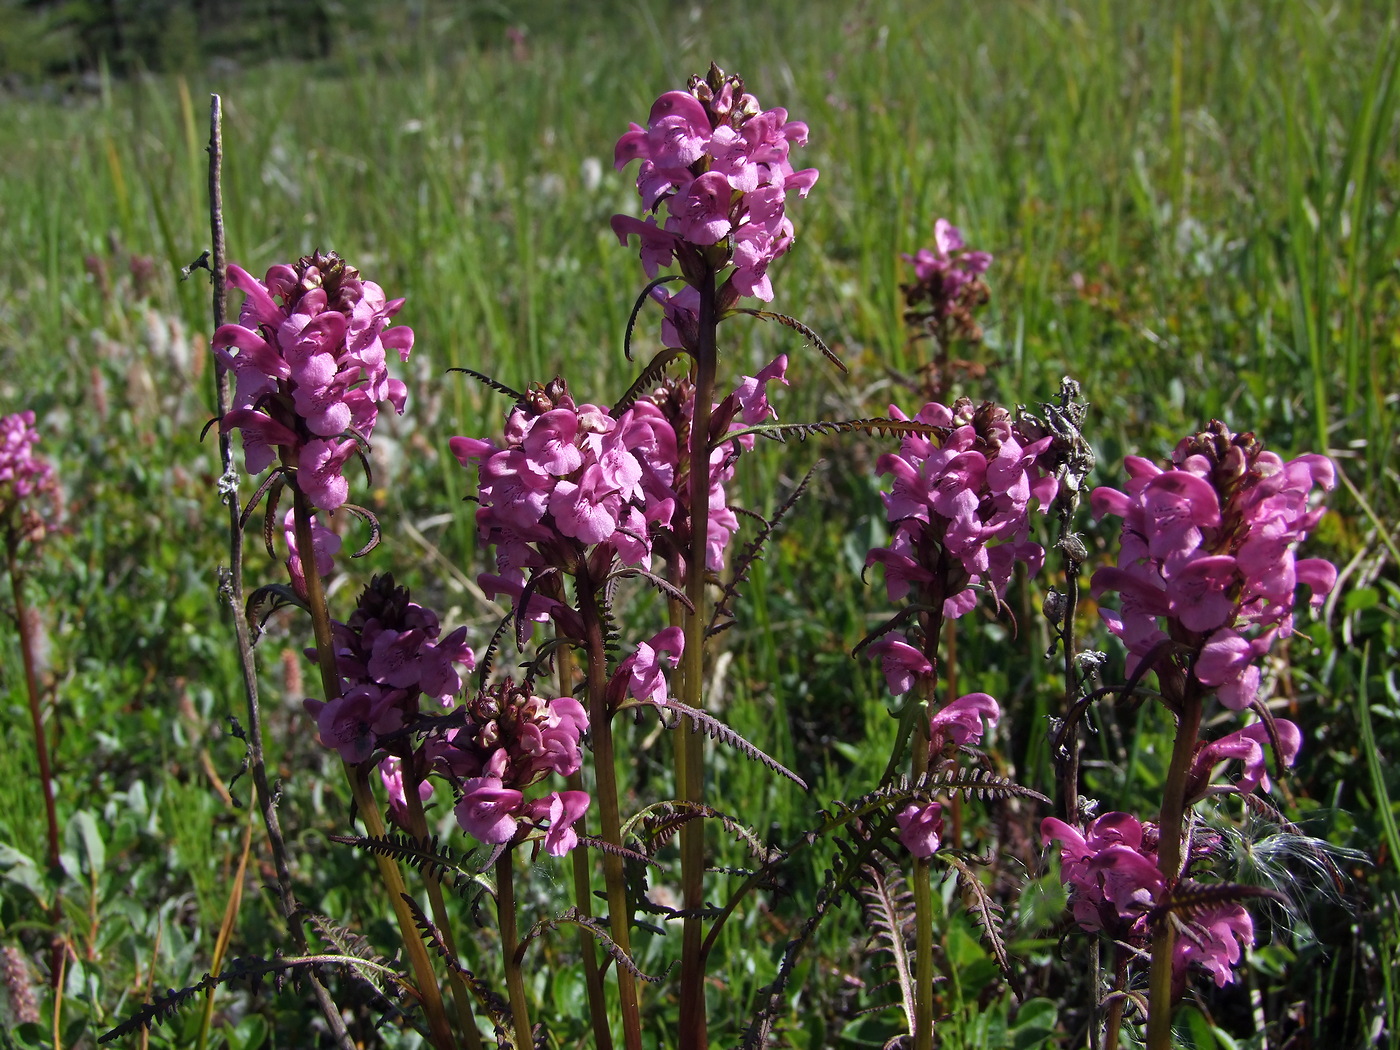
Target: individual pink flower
642 671
902 663
1252 747
960 722
487 810
325 545
391 773
562 809
921 828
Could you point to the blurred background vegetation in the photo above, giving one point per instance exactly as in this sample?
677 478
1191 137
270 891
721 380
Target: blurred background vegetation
1193 209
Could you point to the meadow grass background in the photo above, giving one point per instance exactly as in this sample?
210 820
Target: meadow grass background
1193 212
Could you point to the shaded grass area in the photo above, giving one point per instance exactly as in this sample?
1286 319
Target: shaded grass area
1193 209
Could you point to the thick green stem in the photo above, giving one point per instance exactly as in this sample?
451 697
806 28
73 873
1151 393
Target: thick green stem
690 754
605 773
510 944
1169 861
422 965
583 891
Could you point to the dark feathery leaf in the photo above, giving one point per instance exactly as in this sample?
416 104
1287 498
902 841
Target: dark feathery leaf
658 823
603 846
670 590
492 1002
251 970
426 856
495 385
751 552
1190 899
273 479
798 326
369 519
277 596
486 660
888 911
649 377
637 310
877 426
897 620
722 733
988 915
572 917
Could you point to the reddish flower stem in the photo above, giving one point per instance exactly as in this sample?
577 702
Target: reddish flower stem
605 773
28 652
510 944
583 890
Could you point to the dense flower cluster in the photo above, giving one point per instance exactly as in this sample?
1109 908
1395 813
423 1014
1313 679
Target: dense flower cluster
390 653
512 739
960 506
1111 870
310 342
719 165
572 477
28 491
947 284
1207 558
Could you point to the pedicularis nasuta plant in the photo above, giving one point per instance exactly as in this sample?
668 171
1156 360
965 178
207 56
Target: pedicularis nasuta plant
581 506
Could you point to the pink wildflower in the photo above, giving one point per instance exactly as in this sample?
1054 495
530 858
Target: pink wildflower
921 828
1207 557
960 506
308 356
720 168
28 491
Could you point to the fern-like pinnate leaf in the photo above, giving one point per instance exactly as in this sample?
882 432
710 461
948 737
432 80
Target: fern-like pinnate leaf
889 910
720 732
250 970
1191 900
426 856
573 917
798 326
657 824
375 533
650 376
495 385
723 615
642 298
987 912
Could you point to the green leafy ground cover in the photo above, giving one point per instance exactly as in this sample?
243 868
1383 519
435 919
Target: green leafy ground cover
1193 209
